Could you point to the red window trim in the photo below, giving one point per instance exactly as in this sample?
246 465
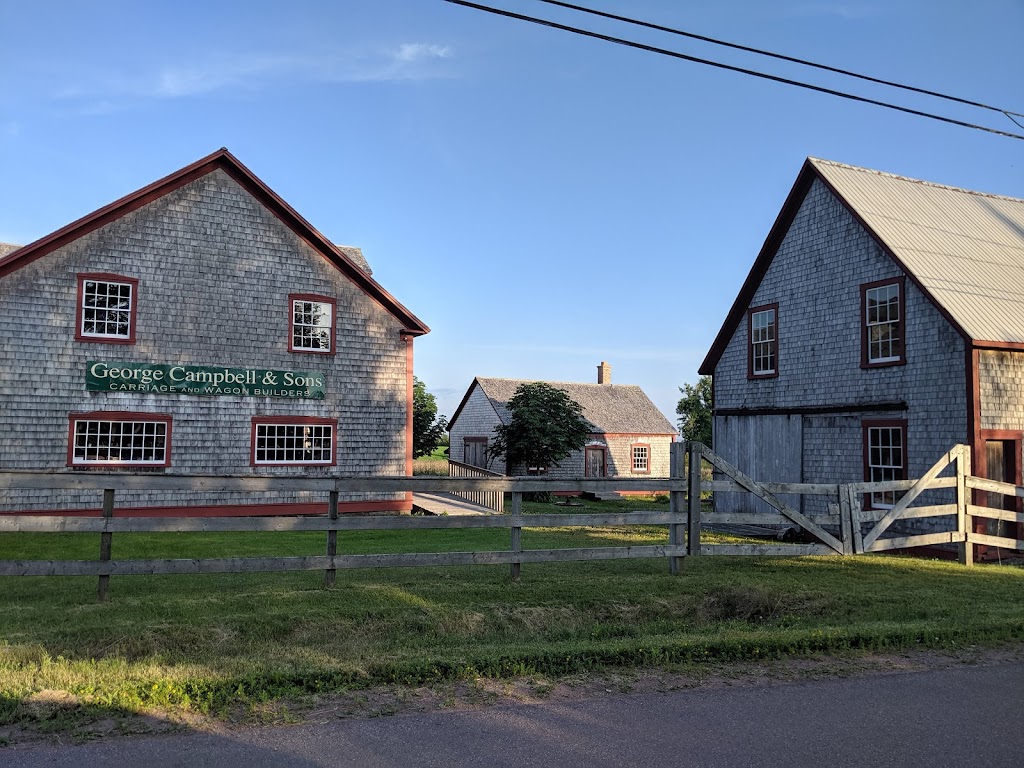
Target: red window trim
315 420
865 425
118 416
110 278
864 288
292 298
631 462
750 342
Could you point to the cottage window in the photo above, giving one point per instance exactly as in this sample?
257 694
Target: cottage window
293 441
885 458
106 308
882 312
311 324
119 439
763 346
641 458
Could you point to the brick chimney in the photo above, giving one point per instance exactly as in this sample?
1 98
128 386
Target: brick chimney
604 373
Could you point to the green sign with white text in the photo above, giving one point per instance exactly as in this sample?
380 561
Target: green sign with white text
202 380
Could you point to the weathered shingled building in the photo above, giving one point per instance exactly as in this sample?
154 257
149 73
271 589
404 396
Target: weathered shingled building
881 323
630 437
201 325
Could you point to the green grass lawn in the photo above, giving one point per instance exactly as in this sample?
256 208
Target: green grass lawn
212 642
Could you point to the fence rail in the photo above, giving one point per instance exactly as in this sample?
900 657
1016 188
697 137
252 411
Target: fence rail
839 530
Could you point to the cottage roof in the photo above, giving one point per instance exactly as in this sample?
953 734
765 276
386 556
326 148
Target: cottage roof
355 255
349 261
611 408
963 249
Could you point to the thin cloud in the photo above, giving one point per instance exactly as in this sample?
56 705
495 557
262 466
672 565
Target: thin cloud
244 72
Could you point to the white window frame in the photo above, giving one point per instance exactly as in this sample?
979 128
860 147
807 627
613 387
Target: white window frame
640 458
303 334
894 338
290 432
92 433
886 460
764 338
123 314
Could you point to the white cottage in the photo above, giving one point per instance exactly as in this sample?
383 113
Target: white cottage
630 436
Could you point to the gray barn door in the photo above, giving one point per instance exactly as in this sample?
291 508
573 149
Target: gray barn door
766 449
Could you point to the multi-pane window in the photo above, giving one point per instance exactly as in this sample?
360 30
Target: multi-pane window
883 327
885 445
641 458
100 439
764 341
106 308
883 323
312 324
309 442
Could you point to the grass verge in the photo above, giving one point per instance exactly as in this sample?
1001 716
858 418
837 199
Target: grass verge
217 644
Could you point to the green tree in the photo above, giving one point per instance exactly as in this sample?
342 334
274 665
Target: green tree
546 426
428 429
694 409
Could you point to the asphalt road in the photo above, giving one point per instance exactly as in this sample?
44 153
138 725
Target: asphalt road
963 716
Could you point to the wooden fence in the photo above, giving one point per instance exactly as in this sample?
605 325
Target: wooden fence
840 531
493 500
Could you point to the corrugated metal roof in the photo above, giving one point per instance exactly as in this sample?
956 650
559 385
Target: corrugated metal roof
964 248
611 408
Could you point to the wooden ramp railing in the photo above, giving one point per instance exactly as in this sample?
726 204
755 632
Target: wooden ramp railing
493 500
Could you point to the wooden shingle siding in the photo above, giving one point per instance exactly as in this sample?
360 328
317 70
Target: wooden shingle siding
1001 384
215 268
815 278
477 419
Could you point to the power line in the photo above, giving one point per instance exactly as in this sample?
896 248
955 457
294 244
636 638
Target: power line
1005 112
730 68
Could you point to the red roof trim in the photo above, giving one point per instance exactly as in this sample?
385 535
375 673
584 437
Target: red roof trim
808 173
223 160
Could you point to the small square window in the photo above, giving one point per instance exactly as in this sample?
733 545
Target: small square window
106 309
311 324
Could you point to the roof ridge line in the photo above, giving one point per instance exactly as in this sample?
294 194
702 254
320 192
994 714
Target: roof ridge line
912 180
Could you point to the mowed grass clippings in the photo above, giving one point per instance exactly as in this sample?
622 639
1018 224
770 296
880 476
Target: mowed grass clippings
217 643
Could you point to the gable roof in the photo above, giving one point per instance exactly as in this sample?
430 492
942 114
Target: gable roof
963 249
611 408
351 264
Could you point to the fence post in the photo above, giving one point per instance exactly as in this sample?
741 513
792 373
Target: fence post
845 519
332 539
964 521
102 591
676 531
853 504
517 532
695 450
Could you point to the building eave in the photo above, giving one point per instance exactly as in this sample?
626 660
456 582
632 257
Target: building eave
223 160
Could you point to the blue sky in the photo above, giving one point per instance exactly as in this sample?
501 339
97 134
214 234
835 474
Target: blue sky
541 200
